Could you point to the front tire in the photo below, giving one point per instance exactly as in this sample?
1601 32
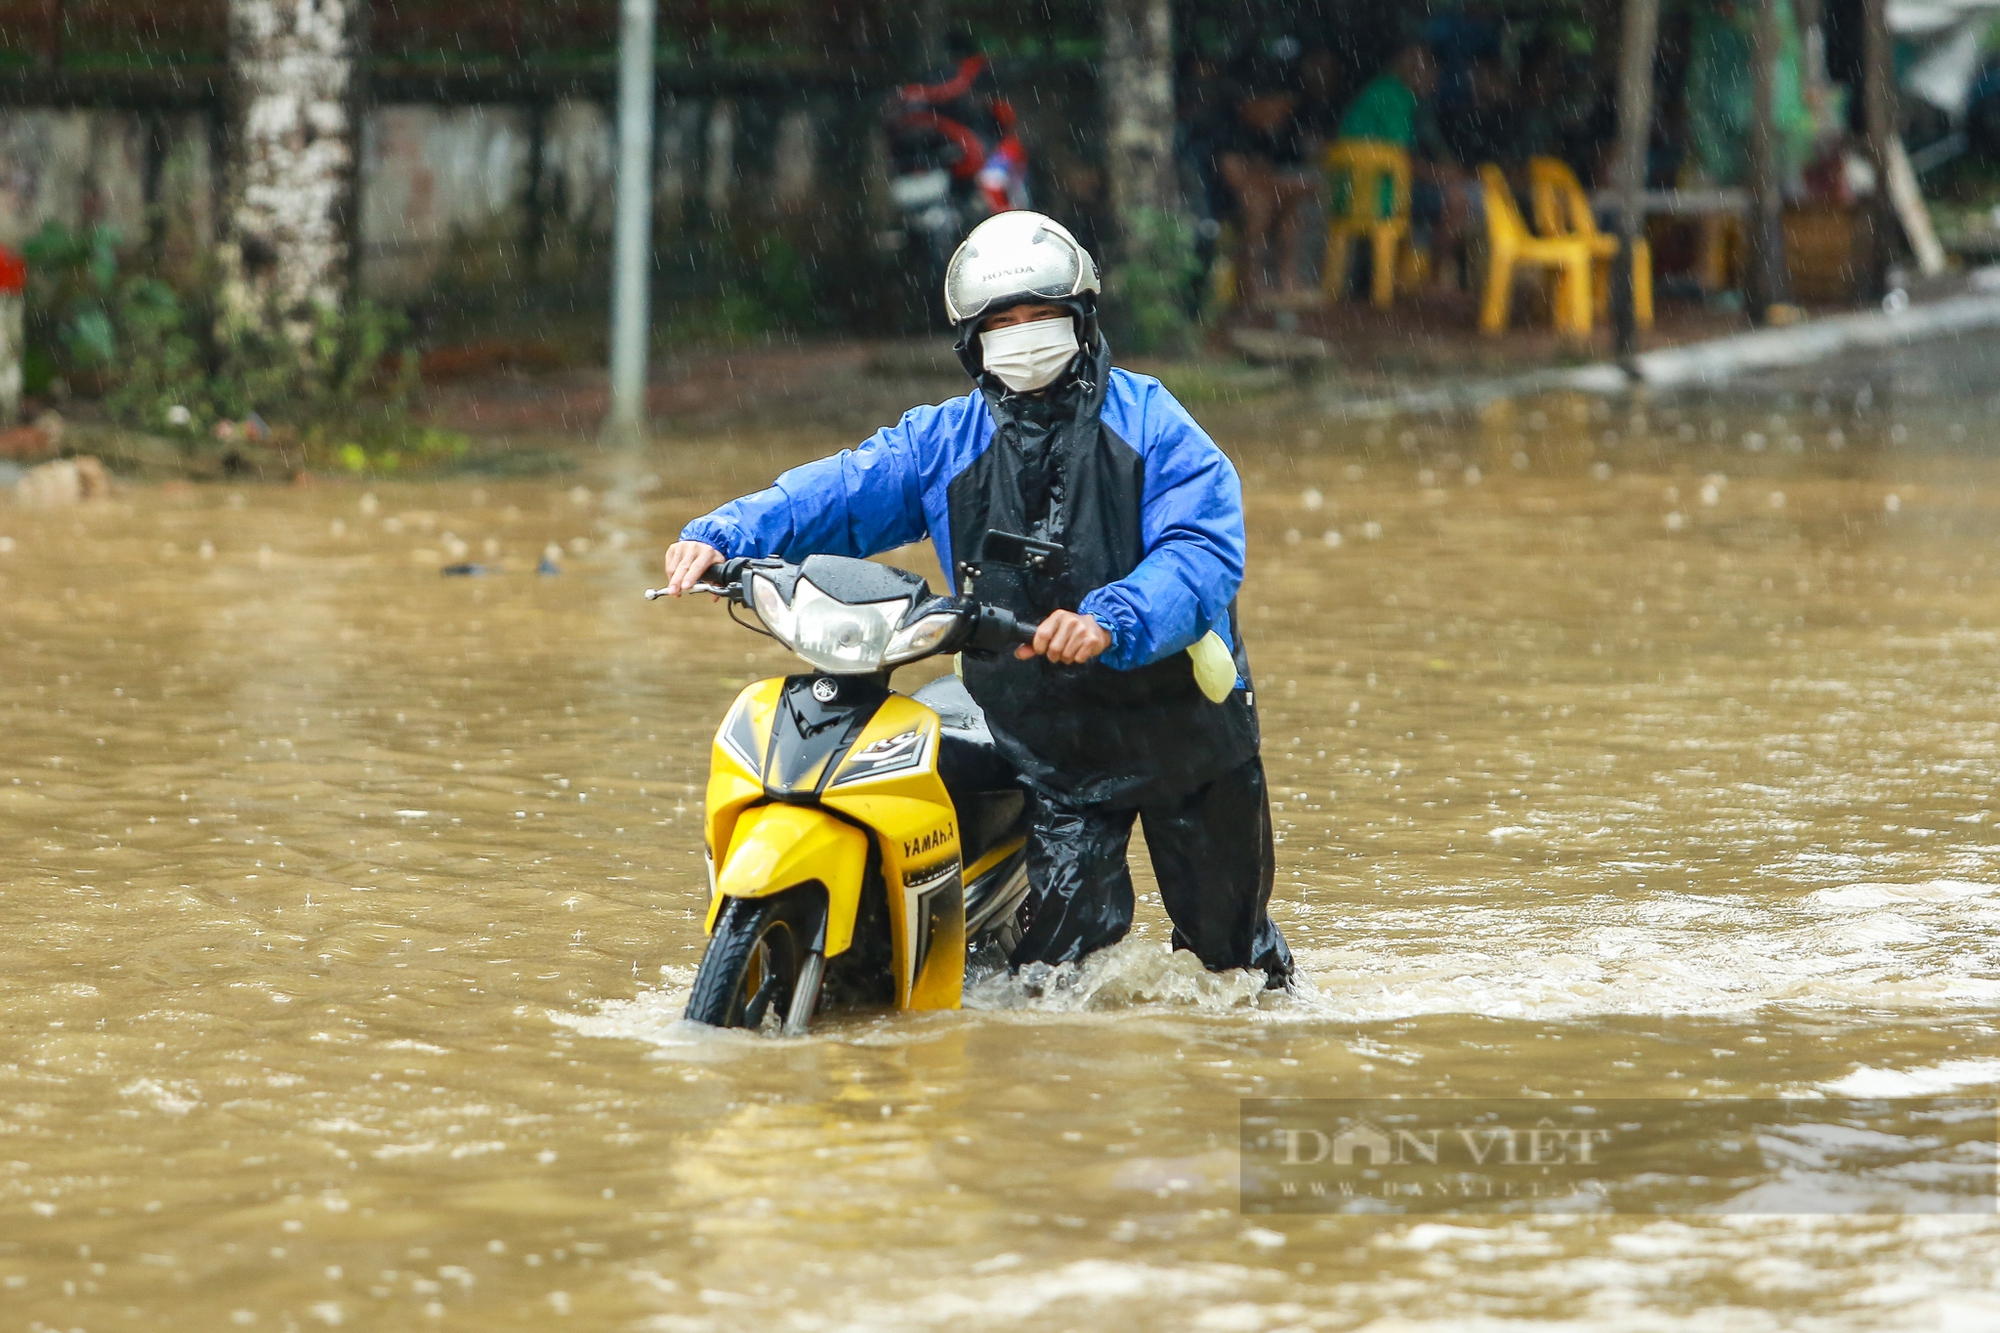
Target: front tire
761 952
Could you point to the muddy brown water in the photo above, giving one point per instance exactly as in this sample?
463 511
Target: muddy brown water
1622 750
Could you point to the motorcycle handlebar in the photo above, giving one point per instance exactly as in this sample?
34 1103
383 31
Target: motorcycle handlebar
996 629
723 578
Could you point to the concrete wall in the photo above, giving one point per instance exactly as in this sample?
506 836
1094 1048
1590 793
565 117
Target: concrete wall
451 199
86 167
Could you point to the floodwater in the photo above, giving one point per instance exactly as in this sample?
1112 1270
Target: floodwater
1624 749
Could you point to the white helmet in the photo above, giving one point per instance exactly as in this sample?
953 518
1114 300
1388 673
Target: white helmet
1013 257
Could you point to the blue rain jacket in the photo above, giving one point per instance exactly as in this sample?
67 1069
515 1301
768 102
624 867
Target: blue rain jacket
894 490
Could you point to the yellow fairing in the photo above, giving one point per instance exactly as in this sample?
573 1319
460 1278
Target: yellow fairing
778 846
917 828
735 768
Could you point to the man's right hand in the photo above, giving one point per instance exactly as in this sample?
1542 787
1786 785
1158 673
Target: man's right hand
686 563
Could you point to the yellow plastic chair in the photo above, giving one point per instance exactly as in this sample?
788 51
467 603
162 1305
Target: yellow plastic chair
1361 172
1509 242
1562 210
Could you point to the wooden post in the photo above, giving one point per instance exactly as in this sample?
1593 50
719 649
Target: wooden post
1769 283
1880 116
1637 42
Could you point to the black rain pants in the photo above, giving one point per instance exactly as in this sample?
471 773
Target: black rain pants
1211 855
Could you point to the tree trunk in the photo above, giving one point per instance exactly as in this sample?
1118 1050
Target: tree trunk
1153 270
1138 87
287 230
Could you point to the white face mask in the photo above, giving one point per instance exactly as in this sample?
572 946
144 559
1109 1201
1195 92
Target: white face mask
1028 357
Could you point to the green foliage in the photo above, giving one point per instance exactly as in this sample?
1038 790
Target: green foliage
1148 292
71 280
157 358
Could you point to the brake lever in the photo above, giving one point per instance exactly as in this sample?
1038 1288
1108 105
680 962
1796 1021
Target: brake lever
733 591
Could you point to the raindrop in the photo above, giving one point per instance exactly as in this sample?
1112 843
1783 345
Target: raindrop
370 506
1601 471
1676 521
579 495
1893 502
1711 494
264 557
1521 461
207 550
491 547
1836 438
1354 472
1332 537
338 527
1473 475
1291 536
578 545
1898 433
6 545
1755 442
392 525
1371 530
1312 499
1777 499
1426 478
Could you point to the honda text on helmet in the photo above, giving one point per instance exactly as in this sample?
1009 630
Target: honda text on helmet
1008 260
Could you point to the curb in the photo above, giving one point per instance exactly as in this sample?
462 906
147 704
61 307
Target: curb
1705 363
1723 358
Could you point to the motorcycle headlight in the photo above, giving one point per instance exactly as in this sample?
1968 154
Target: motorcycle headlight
920 638
835 636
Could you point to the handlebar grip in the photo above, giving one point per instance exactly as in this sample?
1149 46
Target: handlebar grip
999 628
719 576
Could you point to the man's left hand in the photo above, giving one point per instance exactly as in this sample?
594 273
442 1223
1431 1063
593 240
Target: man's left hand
1067 638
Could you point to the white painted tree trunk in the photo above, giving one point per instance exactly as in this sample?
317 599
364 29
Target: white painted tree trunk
292 138
1138 87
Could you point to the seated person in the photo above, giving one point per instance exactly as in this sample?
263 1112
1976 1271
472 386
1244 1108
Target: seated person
1391 108
1264 164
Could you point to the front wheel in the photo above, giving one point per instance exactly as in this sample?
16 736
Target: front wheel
762 967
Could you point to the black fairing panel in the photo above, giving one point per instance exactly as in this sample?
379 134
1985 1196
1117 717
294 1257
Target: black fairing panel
809 734
857 582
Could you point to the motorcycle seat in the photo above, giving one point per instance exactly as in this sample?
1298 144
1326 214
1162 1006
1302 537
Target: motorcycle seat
991 804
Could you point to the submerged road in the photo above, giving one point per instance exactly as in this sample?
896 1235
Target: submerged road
1623 750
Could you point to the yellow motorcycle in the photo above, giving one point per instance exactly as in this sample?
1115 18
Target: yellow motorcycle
859 841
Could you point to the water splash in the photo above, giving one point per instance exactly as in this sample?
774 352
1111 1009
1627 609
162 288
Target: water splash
1130 973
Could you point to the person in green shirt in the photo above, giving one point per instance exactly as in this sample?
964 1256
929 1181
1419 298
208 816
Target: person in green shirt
1393 108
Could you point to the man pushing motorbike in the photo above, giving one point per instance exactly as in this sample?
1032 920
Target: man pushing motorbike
1082 498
